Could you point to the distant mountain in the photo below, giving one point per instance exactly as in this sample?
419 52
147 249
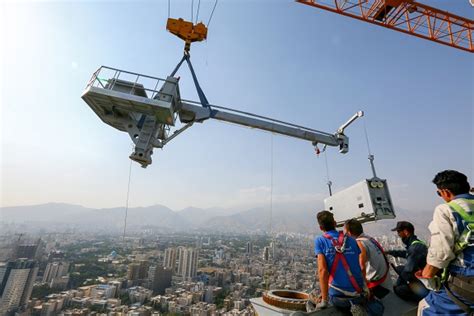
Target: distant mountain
290 218
258 219
199 216
50 212
156 215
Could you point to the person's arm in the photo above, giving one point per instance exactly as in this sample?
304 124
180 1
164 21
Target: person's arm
415 257
362 259
323 277
429 271
440 252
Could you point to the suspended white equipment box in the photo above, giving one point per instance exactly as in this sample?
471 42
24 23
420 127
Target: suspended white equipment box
367 200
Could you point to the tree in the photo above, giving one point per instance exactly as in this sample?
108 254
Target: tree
219 300
41 291
125 299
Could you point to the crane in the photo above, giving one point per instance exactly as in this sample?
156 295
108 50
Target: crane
148 114
148 108
406 16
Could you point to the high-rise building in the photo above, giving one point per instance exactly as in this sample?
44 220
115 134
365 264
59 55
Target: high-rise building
132 271
169 261
16 284
137 272
159 279
143 270
266 254
180 254
273 250
55 270
249 247
27 251
187 262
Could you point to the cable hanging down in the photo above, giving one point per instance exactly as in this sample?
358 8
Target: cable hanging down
271 184
371 157
212 13
197 14
329 182
367 138
126 202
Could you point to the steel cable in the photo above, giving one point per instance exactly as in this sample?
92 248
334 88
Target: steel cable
126 203
212 13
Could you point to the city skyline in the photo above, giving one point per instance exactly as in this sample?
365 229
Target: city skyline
81 273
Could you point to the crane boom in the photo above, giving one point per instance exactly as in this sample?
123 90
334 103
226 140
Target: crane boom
406 16
148 115
268 125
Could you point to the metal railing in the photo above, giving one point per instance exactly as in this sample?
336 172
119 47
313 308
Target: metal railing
107 77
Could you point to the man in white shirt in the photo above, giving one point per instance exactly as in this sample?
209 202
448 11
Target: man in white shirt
372 260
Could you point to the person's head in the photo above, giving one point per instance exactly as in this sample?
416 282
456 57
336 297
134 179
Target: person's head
326 221
404 229
450 183
353 228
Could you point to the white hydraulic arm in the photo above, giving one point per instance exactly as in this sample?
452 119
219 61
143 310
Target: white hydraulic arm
149 114
192 112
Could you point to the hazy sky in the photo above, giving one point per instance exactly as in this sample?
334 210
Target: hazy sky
275 58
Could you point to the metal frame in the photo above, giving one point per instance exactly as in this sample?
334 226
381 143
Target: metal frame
148 119
408 17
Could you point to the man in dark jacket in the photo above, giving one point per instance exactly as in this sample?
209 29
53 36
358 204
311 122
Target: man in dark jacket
408 287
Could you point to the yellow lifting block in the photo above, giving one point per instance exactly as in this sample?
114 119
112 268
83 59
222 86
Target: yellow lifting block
187 31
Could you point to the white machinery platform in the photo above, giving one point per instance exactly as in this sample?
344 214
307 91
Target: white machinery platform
147 108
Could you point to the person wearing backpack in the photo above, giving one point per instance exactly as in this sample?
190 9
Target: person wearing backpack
372 260
451 249
340 277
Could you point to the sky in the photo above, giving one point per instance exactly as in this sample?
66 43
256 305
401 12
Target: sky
274 58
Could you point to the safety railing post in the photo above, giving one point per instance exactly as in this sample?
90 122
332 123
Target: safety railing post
134 84
154 92
113 80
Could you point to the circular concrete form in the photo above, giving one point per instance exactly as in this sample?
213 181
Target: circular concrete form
286 299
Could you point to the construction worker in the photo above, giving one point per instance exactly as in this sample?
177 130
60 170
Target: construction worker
407 286
451 249
372 260
340 277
